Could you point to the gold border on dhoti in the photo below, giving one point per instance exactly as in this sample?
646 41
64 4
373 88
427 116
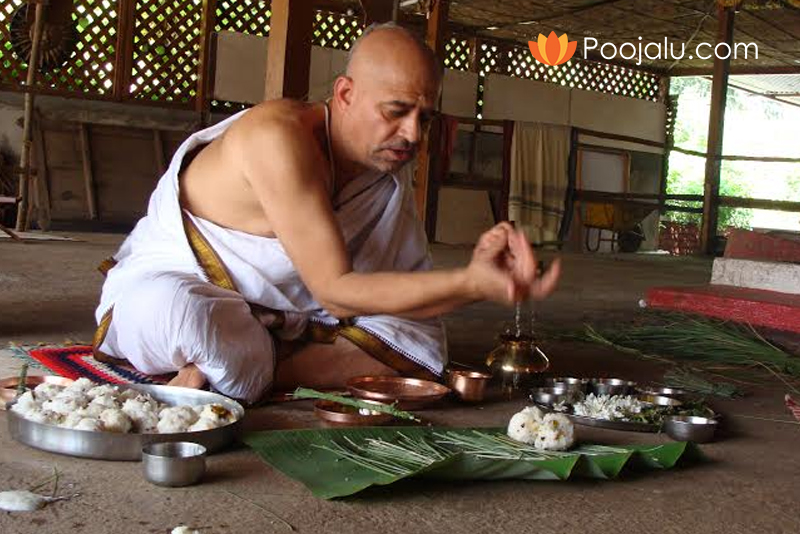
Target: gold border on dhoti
207 257
369 343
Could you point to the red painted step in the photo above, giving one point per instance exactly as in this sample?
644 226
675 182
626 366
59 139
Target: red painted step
780 311
748 245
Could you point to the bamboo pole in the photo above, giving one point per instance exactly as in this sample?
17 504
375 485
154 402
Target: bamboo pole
25 154
88 175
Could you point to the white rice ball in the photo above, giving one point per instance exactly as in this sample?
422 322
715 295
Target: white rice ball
81 385
102 391
142 413
556 433
176 419
216 413
534 412
104 402
43 416
64 404
115 420
26 402
523 427
74 418
203 424
46 391
89 423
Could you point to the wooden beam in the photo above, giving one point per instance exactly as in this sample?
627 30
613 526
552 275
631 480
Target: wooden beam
42 178
123 60
427 176
618 137
716 127
736 70
289 49
88 175
158 149
202 100
377 11
759 204
27 120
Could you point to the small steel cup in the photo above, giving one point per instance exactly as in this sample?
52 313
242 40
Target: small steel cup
470 386
568 382
174 464
690 428
613 386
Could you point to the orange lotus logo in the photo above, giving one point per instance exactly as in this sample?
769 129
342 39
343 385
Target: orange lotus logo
552 50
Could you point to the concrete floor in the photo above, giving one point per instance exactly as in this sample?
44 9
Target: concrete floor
48 294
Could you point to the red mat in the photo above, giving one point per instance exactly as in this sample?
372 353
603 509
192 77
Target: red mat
780 311
77 361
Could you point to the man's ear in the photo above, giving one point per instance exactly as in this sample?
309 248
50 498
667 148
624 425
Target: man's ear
343 91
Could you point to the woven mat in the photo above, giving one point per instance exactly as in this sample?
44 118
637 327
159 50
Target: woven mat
77 361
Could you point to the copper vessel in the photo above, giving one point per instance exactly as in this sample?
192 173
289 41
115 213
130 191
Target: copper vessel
516 360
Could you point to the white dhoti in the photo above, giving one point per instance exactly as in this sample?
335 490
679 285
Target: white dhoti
181 287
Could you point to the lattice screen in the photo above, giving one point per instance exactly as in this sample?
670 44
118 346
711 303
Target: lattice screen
580 74
90 66
334 30
11 70
456 54
244 16
166 50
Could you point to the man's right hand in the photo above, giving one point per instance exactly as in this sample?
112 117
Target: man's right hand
503 268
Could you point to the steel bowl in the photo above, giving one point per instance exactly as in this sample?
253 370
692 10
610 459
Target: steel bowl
665 392
690 428
174 464
469 386
568 382
659 400
552 396
612 386
114 446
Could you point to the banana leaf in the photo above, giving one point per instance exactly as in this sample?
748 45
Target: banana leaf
305 455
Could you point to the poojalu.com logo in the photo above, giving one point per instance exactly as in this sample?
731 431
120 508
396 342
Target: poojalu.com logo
552 50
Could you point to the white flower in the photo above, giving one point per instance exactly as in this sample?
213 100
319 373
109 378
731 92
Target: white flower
612 408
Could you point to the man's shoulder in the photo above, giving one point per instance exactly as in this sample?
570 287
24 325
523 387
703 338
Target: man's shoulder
277 115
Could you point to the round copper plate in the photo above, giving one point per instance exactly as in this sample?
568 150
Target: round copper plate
341 414
8 386
408 393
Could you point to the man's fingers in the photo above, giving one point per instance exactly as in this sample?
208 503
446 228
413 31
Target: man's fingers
547 283
524 265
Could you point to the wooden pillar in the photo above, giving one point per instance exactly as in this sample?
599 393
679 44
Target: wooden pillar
204 67
88 172
669 142
426 180
716 126
123 62
27 120
289 49
377 11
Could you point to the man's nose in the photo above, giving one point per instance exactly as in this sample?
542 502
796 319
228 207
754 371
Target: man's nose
411 129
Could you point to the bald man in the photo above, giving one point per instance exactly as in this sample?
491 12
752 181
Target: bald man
281 247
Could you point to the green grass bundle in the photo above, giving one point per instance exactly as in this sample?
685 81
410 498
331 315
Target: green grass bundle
701 340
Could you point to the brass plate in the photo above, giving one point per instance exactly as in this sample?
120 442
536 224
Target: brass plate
341 414
8 386
408 393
